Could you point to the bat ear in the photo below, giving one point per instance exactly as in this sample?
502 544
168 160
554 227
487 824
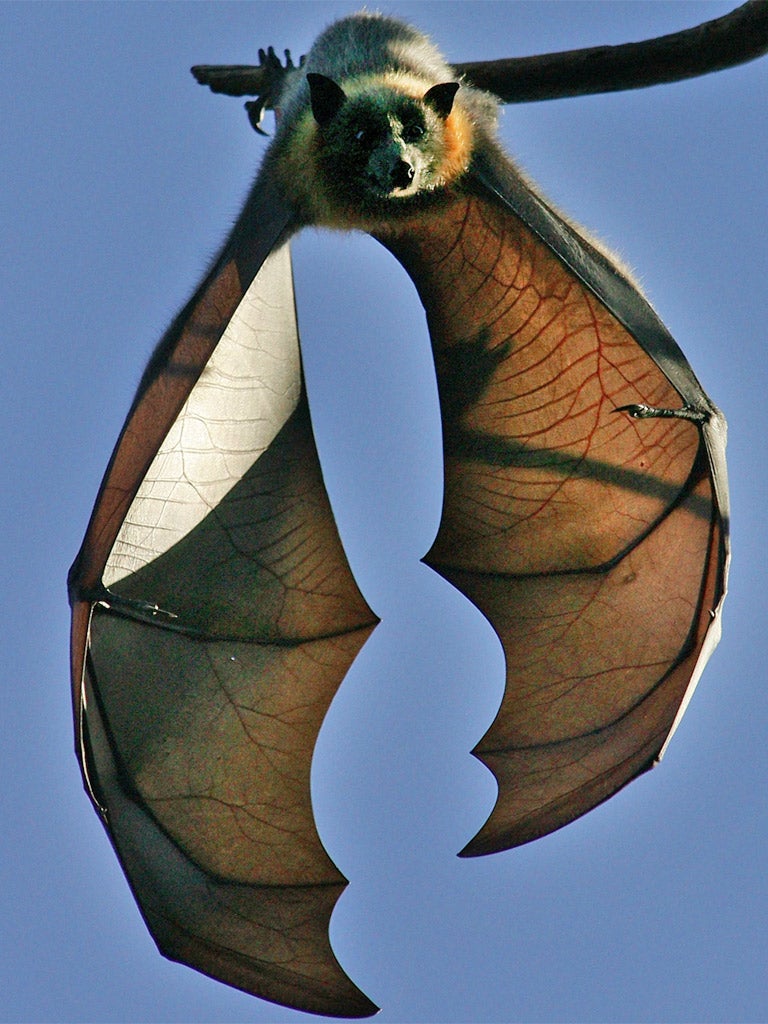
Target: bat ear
327 98
440 98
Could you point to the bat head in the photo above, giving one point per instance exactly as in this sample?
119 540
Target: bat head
378 146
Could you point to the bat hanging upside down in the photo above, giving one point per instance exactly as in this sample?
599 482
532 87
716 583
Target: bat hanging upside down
214 612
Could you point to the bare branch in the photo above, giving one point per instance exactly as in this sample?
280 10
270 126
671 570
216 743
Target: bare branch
725 42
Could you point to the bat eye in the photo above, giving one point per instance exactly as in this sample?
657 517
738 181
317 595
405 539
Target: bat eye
412 132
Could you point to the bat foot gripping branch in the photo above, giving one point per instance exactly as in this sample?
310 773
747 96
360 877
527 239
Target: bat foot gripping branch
265 81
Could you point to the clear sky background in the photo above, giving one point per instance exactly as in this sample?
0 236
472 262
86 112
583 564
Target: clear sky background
120 178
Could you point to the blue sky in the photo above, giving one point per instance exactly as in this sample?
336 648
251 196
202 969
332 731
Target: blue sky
120 179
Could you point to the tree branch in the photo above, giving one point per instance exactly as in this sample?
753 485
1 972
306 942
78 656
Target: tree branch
737 37
725 42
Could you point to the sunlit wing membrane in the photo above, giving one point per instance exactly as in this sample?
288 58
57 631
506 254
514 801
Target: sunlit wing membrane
207 667
595 542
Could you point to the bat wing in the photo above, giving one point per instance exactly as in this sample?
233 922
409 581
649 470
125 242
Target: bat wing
214 617
593 536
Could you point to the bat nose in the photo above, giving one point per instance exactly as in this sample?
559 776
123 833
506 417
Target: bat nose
402 174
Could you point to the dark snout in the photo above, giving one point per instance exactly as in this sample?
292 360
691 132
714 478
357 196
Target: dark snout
390 170
402 174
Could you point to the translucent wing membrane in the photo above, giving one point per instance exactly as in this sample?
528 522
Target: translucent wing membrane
594 542
206 668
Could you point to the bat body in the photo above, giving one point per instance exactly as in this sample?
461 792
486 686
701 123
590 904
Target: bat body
214 612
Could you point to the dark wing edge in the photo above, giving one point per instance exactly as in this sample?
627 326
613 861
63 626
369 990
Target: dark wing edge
618 751
595 543
214 616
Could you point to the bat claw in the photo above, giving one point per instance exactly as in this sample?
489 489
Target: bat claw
255 110
132 607
641 411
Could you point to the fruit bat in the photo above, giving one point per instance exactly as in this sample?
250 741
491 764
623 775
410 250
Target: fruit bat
214 612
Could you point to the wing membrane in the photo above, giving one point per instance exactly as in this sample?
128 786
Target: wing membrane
594 542
214 618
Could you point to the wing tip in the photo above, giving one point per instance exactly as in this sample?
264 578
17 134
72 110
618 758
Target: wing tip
498 836
338 996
